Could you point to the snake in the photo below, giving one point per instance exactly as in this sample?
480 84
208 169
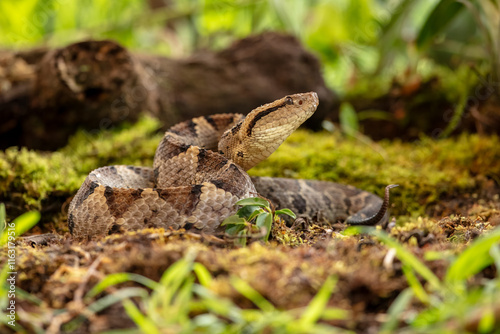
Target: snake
200 172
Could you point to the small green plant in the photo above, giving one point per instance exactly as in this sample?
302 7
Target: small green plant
256 215
451 297
8 233
17 227
182 302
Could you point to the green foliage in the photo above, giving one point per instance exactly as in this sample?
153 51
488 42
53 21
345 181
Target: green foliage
342 33
177 303
8 233
26 22
475 258
348 119
254 209
453 27
450 298
437 21
3 221
18 226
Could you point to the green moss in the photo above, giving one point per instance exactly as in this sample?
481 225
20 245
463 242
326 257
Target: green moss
426 170
27 177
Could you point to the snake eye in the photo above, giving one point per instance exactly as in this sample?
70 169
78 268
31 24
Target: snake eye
288 100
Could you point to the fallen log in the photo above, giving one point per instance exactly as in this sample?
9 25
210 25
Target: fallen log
99 84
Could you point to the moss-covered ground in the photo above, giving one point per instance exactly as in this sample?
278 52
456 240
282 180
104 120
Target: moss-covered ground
448 196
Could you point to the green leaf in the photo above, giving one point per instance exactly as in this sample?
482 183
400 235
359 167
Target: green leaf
4 273
117 278
253 295
20 225
285 212
488 320
234 220
414 283
265 220
396 310
2 218
248 210
317 305
406 257
474 258
348 119
144 323
437 21
390 41
234 229
242 241
254 201
256 213
117 296
203 274
495 254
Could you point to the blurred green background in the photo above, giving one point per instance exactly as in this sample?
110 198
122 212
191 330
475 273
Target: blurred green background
364 45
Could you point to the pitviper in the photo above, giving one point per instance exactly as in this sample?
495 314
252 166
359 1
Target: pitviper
199 173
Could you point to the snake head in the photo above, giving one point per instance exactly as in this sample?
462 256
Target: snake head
265 128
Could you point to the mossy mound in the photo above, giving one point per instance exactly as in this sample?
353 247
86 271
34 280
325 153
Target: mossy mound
427 171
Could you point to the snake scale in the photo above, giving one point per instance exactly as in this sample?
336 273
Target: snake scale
199 173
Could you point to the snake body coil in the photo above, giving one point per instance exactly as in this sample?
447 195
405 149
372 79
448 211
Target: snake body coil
199 173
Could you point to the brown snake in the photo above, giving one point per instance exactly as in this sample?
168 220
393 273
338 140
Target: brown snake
199 173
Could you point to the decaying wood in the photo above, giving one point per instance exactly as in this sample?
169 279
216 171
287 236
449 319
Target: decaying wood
98 84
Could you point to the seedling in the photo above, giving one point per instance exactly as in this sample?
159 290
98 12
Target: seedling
255 215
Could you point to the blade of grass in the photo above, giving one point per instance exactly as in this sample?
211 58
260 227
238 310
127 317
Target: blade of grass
21 224
117 278
2 218
108 300
415 285
144 323
116 297
220 306
395 311
402 253
317 305
474 258
203 274
409 259
255 297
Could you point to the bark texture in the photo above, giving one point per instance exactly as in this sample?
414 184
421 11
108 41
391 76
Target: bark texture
47 95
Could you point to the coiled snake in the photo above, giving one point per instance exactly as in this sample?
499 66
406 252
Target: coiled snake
199 173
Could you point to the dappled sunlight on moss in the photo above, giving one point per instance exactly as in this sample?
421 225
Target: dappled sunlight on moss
425 170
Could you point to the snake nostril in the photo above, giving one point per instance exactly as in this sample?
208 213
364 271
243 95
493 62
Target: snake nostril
300 102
